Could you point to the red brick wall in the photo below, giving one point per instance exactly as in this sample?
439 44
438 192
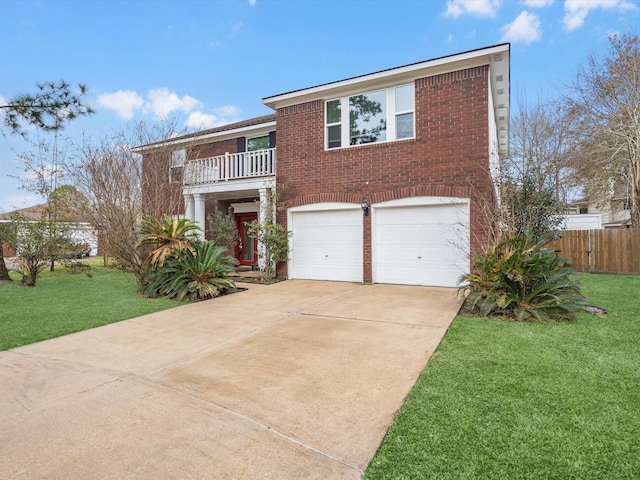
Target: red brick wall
215 149
448 157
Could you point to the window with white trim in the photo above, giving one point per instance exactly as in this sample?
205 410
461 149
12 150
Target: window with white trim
379 116
176 168
257 143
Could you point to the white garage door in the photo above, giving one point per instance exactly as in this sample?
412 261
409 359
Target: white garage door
326 244
421 244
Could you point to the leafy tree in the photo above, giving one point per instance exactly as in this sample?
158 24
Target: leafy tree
166 236
274 239
53 104
35 246
605 102
195 273
529 206
223 230
7 236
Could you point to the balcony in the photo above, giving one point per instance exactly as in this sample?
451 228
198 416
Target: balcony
230 166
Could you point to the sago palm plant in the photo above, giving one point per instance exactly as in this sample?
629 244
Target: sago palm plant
519 278
195 273
165 236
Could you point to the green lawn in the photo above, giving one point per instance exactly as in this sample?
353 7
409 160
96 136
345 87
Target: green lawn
62 303
503 400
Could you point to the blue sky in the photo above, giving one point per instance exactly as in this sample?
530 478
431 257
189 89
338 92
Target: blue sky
207 63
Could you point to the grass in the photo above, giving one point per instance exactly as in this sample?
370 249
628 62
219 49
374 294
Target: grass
62 303
502 400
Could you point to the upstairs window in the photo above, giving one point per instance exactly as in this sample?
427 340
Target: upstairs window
379 116
257 143
176 169
334 123
404 111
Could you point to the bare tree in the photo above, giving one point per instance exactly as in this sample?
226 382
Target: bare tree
44 175
116 191
535 183
605 100
541 148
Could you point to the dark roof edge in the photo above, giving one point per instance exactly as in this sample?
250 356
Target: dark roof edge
223 128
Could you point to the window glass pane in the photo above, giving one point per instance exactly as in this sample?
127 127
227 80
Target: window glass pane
257 143
334 136
404 126
176 174
333 111
368 118
178 157
404 98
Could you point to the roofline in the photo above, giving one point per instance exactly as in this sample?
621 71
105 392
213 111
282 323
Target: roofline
414 70
196 138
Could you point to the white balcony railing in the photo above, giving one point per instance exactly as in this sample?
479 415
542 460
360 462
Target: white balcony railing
230 166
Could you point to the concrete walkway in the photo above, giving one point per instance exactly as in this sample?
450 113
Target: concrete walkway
296 380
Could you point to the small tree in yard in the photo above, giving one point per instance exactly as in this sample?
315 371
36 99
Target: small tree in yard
35 247
223 230
529 206
275 243
7 236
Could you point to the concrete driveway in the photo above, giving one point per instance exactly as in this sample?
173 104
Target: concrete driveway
296 380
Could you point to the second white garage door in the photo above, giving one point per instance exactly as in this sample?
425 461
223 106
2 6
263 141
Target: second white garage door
421 244
326 242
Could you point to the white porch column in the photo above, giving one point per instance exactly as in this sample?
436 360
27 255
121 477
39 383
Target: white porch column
198 211
189 212
264 215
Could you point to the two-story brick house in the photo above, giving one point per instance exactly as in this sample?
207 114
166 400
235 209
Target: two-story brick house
382 178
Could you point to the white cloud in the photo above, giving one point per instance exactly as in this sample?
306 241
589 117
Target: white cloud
162 102
123 102
201 121
450 38
228 111
577 10
481 8
525 28
252 2
537 3
3 101
235 26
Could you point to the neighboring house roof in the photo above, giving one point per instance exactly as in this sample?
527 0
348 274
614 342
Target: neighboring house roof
36 212
230 128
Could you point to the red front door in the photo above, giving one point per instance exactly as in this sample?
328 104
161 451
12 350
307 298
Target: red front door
247 247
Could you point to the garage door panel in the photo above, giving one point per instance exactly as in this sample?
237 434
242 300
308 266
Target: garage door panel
421 245
327 245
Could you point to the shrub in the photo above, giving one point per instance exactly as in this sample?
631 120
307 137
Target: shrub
223 230
274 239
166 236
519 278
195 273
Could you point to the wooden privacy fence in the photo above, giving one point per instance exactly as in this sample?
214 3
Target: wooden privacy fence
615 250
